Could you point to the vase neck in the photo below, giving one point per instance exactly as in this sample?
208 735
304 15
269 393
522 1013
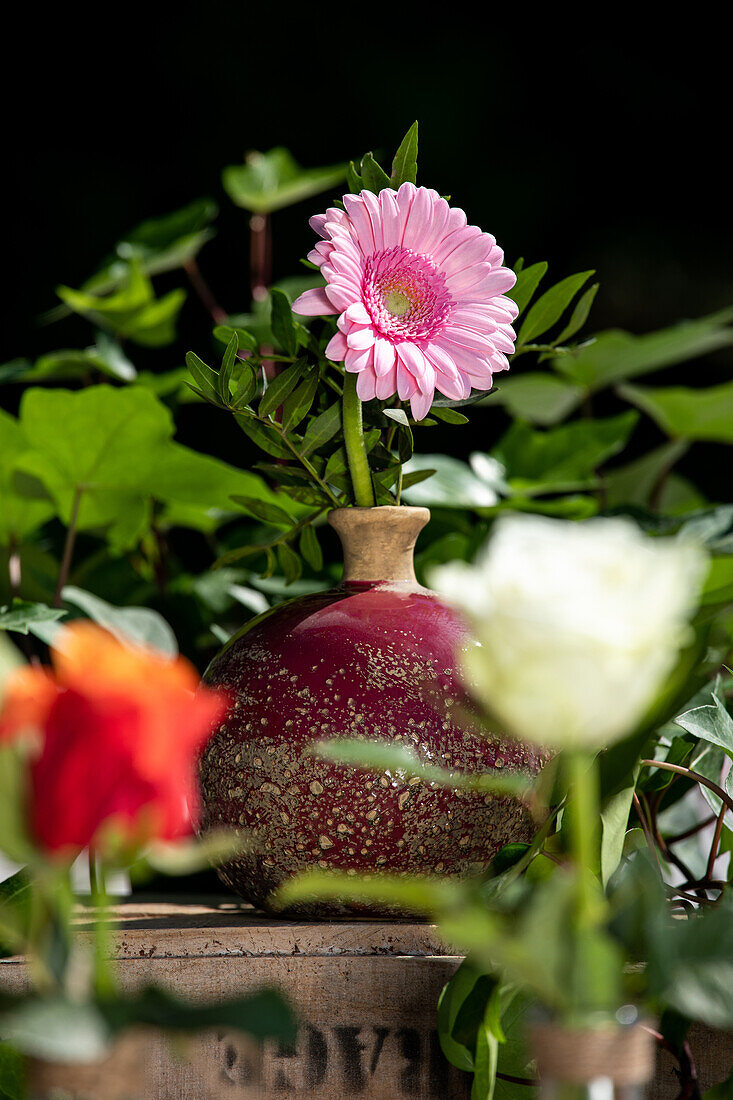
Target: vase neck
378 543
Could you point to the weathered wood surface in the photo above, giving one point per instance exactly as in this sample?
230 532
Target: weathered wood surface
365 992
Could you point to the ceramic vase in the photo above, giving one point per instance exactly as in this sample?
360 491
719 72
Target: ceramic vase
373 659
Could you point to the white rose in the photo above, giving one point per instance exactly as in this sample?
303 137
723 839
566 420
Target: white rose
578 624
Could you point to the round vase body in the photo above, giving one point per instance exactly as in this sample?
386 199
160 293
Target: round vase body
370 660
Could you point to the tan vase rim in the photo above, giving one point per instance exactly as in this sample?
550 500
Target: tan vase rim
378 543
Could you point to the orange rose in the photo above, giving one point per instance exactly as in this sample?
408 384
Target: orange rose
119 732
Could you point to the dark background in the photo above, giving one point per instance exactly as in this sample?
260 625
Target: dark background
588 145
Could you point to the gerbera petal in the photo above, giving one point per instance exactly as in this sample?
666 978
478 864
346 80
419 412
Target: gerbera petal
358 313
387 383
314 303
366 385
336 348
384 356
406 384
361 221
360 337
421 295
420 404
392 218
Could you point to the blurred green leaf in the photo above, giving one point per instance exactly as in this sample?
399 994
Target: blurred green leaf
615 355
132 311
685 413
538 398
310 548
272 180
21 616
139 625
13 1085
454 485
565 458
19 515
402 761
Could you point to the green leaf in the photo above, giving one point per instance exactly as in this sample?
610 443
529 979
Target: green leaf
580 314
22 615
138 625
228 363
96 447
564 459
538 398
132 311
298 404
272 180
56 1029
454 485
13 1074
614 822
263 1014
685 413
280 386
263 510
158 245
549 308
486 1060
207 380
282 321
399 416
321 429
310 548
462 988
403 762
710 723
264 436
20 515
247 340
373 176
289 563
15 842
528 279
404 165
636 483
615 355
449 416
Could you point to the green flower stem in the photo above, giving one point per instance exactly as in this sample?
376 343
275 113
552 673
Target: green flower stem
104 981
584 812
361 477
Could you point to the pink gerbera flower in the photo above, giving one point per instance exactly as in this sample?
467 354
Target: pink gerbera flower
420 295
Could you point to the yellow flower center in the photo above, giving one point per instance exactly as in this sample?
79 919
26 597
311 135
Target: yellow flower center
397 303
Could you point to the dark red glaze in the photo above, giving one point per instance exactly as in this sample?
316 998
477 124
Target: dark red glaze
371 661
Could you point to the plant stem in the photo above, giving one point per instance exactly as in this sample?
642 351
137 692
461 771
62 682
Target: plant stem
582 779
68 554
361 477
103 976
695 776
199 284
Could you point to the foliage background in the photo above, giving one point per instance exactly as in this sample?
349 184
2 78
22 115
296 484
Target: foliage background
589 142
586 150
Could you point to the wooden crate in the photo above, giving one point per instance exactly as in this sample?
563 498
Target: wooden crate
365 992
